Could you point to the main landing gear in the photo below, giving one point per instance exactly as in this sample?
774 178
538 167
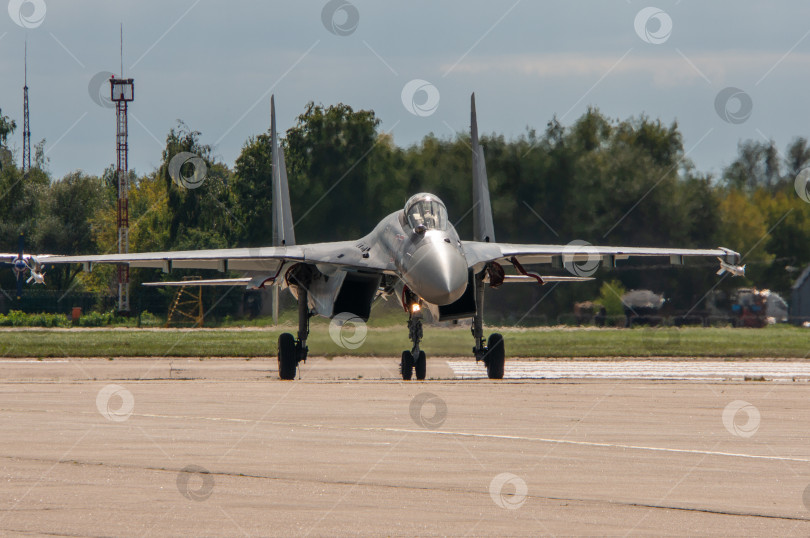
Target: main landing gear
291 351
491 351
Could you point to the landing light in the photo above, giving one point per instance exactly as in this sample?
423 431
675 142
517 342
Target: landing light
415 308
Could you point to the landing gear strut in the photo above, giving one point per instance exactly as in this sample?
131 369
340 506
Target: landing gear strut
291 351
415 359
492 352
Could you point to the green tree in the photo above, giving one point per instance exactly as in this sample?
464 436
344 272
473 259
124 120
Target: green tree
252 189
40 159
788 235
149 224
7 126
207 208
757 165
327 157
20 199
610 296
798 157
64 225
745 225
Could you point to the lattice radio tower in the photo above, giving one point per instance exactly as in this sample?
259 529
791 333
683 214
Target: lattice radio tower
122 91
26 158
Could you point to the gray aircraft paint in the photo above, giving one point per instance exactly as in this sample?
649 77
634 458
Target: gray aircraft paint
483 227
283 232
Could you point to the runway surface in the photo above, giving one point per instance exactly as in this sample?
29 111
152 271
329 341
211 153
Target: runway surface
95 447
639 369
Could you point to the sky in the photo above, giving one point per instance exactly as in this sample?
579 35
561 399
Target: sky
726 71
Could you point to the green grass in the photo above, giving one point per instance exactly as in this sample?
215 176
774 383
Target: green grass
382 316
779 341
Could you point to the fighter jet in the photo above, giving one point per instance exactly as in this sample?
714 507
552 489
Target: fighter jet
414 254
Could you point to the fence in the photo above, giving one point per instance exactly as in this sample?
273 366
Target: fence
238 303
217 303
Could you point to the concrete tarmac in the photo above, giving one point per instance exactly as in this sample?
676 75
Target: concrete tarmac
221 447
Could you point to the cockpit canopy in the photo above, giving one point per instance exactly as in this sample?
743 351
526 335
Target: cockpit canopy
426 210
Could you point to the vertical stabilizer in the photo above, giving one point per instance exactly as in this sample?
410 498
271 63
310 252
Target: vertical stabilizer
483 228
283 233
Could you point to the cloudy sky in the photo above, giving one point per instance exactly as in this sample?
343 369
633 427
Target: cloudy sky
214 64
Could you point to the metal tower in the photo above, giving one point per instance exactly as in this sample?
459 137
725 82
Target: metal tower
26 158
122 91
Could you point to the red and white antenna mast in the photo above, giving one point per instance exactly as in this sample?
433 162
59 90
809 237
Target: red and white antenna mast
122 91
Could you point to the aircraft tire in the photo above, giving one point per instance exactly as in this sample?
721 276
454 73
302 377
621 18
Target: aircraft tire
406 365
495 357
287 356
420 366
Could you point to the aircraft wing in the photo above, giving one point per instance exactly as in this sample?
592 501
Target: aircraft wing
9 257
480 253
348 254
587 257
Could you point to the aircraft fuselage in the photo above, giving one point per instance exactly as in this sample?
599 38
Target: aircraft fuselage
430 262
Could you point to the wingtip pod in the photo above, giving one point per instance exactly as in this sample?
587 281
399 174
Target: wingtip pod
283 232
36 278
483 227
725 267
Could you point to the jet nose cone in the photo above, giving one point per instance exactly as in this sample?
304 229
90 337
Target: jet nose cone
438 273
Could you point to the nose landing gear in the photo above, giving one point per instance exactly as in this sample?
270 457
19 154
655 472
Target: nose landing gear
415 360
